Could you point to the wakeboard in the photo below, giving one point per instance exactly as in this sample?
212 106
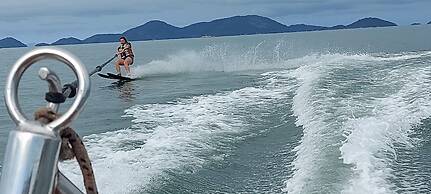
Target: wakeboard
116 77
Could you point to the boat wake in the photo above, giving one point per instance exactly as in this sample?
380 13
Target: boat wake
177 137
356 111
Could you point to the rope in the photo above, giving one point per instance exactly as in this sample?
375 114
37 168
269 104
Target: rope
69 90
71 146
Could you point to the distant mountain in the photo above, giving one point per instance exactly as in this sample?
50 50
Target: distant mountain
429 23
66 41
337 27
416 24
232 26
237 25
101 38
364 23
11 43
153 30
370 22
42 44
304 27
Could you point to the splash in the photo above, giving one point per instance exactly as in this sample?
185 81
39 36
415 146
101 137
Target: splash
179 137
217 58
353 109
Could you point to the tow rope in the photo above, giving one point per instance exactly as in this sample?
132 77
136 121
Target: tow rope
71 147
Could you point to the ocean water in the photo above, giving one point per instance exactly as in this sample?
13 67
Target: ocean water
317 112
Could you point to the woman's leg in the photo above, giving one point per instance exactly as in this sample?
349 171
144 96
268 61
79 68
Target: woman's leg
117 65
128 61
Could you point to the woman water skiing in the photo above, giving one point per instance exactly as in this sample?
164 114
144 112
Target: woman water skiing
125 56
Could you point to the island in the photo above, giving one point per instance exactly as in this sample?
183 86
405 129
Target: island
231 26
66 41
10 42
42 44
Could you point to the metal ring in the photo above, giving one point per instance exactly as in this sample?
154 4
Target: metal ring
18 69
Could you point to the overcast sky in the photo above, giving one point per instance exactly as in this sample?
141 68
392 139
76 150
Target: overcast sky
36 21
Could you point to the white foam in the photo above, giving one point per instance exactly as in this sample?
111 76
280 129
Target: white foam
369 130
404 56
181 136
369 147
319 111
178 136
306 163
216 58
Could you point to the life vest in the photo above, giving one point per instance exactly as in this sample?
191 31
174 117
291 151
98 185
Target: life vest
127 51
